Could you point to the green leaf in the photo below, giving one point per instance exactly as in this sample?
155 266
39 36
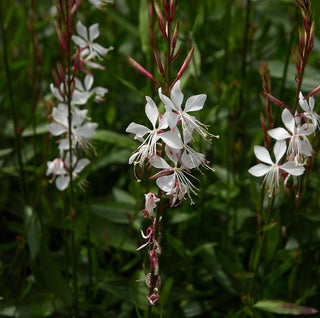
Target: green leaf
5 152
39 130
112 137
144 25
284 308
52 275
33 231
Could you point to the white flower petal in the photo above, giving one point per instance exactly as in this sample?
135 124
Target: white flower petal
82 30
259 170
94 32
167 101
172 139
87 130
292 168
288 120
278 133
60 114
166 183
159 162
62 182
177 95
279 149
263 154
88 82
81 164
79 41
56 129
151 110
195 103
137 129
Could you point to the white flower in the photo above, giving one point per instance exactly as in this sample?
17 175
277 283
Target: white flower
299 144
85 40
271 170
148 148
100 4
80 131
87 89
77 98
59 167
193 103
308 110
174 180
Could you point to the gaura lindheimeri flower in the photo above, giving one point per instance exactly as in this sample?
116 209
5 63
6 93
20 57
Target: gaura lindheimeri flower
85 40
77 98
176 114
87 89
308 110
273 170
148 148
174 180
59 168
81 132
299 145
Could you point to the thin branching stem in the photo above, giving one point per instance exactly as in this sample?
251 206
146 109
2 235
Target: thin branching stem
13 106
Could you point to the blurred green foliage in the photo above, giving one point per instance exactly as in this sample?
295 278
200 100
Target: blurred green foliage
207 247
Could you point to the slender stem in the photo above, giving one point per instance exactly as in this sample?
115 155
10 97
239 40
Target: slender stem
13 107
71 192
260 243
245 51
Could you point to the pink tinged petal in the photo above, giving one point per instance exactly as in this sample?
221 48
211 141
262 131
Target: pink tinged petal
56 129
172 154
177 95
159 162
87 130
278 133
279 149
172 139
82 30
78 41
288 120
292 168
151 110
81 164
262 154
137 129
94 32
167 101
166 183
195 103
259 170
62 182
88 82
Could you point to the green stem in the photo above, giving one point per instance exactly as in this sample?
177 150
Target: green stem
13 107
71 192
255 260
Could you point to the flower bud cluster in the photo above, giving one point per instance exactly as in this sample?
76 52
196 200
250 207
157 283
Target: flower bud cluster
70 122
165 146
292 141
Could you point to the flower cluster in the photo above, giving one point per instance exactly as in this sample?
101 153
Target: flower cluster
292 141
165 146
68 121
